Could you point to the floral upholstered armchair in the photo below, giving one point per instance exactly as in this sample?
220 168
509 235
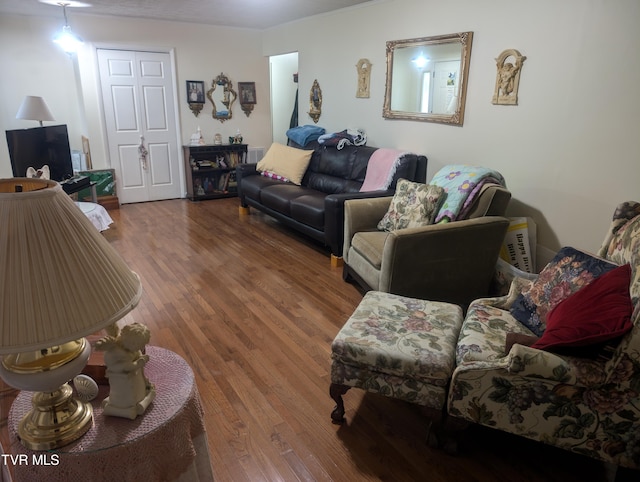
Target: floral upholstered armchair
580 388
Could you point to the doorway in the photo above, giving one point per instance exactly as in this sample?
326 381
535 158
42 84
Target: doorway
138 95
284 93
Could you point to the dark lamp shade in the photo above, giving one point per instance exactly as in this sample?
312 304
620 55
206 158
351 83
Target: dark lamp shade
60 279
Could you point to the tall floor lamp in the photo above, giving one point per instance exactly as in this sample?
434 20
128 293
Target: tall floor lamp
60 280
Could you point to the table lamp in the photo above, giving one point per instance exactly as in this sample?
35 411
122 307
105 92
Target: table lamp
34 108
60 281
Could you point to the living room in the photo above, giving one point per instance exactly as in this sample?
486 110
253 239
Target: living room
568 151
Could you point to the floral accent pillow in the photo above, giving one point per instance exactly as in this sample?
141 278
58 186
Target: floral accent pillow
565 274
413 205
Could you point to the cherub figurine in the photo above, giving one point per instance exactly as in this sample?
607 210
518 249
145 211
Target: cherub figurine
130 390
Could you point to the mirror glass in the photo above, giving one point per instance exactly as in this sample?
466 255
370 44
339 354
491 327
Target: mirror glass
427 78
222 96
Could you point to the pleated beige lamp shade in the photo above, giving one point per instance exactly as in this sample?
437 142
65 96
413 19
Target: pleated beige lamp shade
60 279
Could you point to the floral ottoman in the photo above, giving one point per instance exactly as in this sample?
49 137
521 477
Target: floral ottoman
396 346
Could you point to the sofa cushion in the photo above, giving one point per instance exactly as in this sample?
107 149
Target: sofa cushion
309 209
484 332
252 186
324 183
369 244
286 161
334 171
279 196
565 274
413 205
599 312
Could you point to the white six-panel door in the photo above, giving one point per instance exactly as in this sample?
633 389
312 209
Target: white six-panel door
138 100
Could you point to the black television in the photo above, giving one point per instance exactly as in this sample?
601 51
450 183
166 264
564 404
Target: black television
39 146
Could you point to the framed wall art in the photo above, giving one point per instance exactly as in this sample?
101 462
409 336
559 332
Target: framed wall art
195 95
247 91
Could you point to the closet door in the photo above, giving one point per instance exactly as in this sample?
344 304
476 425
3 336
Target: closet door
138 102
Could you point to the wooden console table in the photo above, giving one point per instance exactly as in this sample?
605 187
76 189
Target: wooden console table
167 442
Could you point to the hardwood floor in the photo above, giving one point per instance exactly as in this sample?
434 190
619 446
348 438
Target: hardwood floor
253 307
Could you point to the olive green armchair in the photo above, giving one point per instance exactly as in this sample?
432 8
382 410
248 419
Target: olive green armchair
452 262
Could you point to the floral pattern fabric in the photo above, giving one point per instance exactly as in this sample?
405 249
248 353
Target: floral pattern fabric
484 333
400 347
589 406
565 274
413 205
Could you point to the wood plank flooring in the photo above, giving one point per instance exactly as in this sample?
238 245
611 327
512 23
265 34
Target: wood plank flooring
253 307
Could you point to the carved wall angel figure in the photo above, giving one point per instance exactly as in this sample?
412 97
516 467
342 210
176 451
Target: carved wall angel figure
508 77
364 75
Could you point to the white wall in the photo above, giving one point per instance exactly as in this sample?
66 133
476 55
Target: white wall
569 151
33 65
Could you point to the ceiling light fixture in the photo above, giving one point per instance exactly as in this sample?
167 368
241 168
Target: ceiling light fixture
421 61
67 39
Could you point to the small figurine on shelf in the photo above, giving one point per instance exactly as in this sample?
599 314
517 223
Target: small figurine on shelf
196 138
131 392
217 139
238 137
199 188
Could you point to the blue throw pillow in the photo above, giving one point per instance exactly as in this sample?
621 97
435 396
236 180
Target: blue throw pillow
565 274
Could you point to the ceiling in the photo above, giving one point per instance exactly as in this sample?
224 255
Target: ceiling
257 14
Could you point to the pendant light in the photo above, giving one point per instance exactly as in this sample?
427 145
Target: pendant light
67 39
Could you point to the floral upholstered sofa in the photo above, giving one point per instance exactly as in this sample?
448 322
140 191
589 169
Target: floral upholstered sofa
572 377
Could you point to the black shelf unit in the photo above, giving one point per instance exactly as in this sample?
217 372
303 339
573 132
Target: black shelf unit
211 170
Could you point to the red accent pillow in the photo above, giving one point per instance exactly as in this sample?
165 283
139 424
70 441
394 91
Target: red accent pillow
598 312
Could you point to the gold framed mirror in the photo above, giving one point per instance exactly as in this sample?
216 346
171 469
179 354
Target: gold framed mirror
427 78
222 96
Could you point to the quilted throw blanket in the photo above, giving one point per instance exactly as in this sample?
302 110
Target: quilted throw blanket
381 169
462 185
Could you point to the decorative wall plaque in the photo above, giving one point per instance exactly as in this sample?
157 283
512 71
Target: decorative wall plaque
509 65
364 76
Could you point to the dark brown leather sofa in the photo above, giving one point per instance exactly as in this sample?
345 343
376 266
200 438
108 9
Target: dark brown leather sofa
316 207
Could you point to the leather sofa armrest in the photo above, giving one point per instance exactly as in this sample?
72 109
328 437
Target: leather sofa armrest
242 171
334 216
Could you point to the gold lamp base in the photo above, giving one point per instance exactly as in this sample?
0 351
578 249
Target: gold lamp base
56 419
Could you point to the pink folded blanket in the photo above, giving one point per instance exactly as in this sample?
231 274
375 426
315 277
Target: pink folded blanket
381 169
